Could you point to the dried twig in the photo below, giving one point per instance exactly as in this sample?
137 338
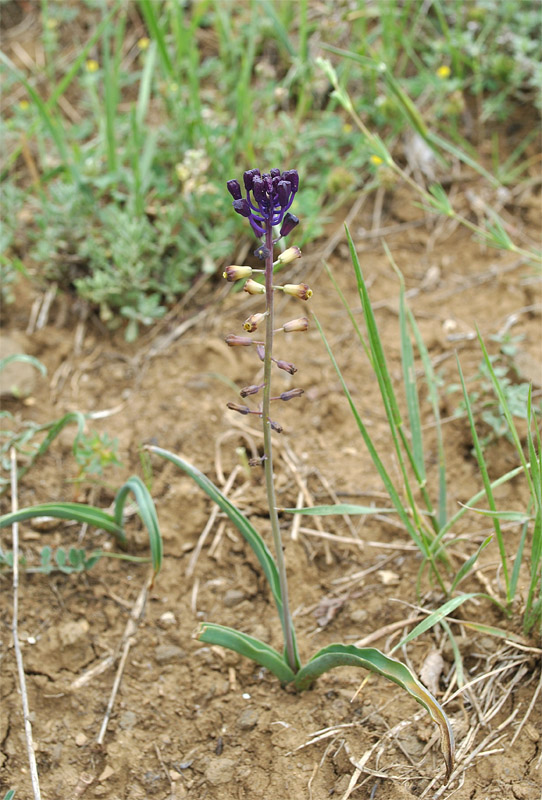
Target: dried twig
15 631
127 641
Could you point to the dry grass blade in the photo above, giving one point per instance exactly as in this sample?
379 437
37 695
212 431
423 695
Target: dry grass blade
127 641
15 631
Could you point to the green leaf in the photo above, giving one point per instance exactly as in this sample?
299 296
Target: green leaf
435 617
245 528
247 646
73 511
147 512
508 516
25 359
339 508
469 563
339 655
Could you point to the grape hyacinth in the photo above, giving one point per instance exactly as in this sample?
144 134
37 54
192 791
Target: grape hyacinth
268 198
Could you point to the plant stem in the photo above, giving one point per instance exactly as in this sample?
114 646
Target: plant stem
286 620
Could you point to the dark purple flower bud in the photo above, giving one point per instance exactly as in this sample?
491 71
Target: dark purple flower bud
286 366
283 192
254 389
258 187
292 176
238 408
234 189
289 223
242 207
256 462
275 426
248 178
262 252
275 172
289 395
260 349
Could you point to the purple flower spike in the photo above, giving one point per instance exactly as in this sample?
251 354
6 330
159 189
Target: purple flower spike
268 197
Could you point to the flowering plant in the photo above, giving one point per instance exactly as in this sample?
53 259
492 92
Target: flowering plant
268 198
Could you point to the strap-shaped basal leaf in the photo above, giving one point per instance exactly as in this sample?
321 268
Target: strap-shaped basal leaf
250 534
79 512
339 655
147 511
248 646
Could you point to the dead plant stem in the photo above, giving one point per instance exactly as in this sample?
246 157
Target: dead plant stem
15 631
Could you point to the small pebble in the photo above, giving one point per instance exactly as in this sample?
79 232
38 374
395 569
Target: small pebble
233 597
80 739
165 653
248 719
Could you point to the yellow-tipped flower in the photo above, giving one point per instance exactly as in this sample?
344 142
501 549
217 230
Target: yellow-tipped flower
300 290
289 255
253 288
234 273
253 321
376 161
444 72
92 65
143 43
300 324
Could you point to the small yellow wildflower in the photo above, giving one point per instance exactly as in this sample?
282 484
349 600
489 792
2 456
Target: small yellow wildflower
24 105
52 24
376 161
92 65
143 43
347 128
444 72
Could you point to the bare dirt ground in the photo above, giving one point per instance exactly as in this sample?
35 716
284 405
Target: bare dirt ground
198 722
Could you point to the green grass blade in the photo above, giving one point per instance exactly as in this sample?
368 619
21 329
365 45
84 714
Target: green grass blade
338 655
145 85
54 429
432 619
247 646
51 123
245 528
390 488
409 378
507 413
431 380
339 508
147 512
149 11
468 565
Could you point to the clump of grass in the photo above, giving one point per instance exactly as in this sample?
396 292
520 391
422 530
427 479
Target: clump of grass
426 516
265 203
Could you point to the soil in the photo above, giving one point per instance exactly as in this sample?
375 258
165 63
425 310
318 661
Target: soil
199 722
